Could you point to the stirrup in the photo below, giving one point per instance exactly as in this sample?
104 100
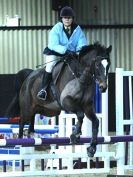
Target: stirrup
42 94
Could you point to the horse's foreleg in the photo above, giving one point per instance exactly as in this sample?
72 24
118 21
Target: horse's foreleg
75 137
95 125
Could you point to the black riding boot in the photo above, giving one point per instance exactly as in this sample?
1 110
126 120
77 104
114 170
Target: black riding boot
42 94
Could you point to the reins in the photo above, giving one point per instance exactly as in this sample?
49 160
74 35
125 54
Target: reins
70 69
65 56
43 64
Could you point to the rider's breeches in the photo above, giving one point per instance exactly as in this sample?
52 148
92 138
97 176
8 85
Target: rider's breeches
51 60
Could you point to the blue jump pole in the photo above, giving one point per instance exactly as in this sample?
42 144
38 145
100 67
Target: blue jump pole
61 141
41 131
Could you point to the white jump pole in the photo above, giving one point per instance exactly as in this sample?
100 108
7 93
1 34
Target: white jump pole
104 126
119 120
131 119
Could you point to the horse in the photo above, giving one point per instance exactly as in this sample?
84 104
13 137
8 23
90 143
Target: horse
72 89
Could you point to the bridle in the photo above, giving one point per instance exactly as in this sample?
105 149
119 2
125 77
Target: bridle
95 65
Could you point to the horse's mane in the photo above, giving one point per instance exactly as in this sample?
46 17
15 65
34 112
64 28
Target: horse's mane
87 48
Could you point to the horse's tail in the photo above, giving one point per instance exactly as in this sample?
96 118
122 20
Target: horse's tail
13 109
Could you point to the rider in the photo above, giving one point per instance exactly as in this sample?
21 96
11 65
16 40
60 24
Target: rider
65 37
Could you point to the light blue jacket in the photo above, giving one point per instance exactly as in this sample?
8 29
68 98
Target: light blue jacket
59 42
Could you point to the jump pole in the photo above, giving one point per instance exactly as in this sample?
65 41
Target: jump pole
42 129
61 141
119 119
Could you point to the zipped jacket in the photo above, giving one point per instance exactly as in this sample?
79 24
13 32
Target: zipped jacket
60 43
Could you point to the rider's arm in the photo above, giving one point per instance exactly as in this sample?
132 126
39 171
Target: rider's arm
81 40
57 39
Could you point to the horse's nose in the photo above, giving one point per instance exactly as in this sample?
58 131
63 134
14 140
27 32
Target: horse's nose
102 87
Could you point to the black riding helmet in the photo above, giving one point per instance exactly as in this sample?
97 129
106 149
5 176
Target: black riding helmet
67 12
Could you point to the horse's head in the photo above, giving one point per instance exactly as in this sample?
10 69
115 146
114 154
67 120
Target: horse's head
100 70
96 57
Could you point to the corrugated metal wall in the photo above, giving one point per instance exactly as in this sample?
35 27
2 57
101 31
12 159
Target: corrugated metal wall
122 46
104 11
23 48
31 12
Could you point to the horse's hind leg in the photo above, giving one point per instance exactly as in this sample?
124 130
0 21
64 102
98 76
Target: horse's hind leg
75 137
95 125
24 119
31 126
21 127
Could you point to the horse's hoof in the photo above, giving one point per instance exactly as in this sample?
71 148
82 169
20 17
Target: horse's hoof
91 151
74 139
25 132
31 135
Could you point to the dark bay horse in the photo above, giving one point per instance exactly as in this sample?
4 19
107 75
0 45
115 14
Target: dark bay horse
72 89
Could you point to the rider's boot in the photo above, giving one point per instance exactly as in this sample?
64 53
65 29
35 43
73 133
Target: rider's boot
42 94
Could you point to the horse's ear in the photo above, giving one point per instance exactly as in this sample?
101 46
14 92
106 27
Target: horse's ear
109 48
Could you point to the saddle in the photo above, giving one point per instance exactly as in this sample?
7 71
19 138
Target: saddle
62 66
